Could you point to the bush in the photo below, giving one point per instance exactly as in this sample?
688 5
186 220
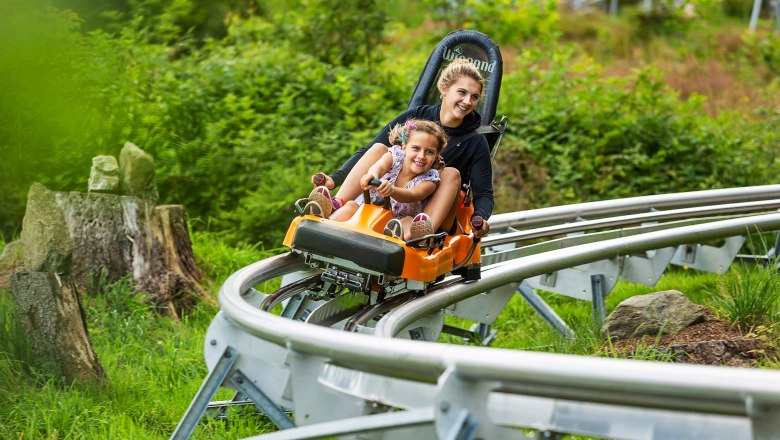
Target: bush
601 138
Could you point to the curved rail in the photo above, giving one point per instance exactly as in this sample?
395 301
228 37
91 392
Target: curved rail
632 205
749 393
525 267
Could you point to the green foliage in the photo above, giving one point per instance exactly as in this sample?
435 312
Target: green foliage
603 137
749 296
154 367
218 259
506 21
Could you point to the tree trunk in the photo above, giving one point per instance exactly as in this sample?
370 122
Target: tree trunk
176 275
51 314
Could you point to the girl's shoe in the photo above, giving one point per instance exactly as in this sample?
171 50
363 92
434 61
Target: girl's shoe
394 228
421 226
321 195
313 208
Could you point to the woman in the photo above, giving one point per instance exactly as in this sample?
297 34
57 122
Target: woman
467 154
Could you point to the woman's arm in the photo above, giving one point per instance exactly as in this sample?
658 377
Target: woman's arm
481 176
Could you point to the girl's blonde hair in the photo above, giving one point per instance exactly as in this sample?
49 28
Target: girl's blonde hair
460 67
401 133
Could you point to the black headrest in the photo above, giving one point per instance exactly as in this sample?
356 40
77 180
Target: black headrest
478 48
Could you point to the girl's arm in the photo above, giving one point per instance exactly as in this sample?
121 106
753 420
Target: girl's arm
380 168
416 193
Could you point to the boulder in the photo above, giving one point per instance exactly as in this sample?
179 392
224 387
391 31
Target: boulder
104 175
136 170
652 314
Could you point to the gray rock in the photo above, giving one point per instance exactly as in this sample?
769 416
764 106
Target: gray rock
136 173
47 244
656 313
104 175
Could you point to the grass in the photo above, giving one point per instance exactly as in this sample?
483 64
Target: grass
155 365
749 296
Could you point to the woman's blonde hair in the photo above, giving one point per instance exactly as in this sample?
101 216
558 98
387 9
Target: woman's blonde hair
401 133
458 68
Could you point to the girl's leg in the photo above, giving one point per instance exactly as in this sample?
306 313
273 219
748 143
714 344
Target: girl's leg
441 205
350 189
345 212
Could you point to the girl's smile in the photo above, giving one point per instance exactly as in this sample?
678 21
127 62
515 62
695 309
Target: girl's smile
421 151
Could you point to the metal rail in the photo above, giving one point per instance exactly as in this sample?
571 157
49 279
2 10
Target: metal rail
631 205
470 378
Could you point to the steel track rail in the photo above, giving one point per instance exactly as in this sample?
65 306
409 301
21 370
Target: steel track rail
611 381
631 219
525 267
631 205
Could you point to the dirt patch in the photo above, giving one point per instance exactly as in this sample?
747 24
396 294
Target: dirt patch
713 342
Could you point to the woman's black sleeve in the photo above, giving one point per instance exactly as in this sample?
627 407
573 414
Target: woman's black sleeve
482 180
339 175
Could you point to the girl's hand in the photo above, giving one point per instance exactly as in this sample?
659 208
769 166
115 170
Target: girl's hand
322 179
386 189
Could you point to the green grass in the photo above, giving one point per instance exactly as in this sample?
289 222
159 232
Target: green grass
155 365
749 296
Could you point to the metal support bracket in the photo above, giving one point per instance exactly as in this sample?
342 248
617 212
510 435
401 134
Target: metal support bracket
709 258
207 390
544 310
597 289
261 401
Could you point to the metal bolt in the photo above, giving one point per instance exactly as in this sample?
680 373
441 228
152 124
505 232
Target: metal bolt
213 342
240 379
227 354
444 407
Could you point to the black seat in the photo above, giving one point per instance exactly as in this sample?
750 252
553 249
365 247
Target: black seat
484 53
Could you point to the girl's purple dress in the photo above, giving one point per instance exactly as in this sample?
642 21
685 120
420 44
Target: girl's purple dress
401 210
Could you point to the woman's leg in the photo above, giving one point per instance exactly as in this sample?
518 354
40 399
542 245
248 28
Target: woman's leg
350 189
441 205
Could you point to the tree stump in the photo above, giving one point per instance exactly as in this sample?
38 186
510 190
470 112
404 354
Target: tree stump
51 314
113 237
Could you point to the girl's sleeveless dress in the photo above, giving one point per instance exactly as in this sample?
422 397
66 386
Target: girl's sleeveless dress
401 210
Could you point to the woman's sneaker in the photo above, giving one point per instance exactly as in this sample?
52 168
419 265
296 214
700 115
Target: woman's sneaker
321 195
394 228
421 226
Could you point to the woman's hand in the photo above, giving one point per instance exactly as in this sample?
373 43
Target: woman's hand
322 179
480 226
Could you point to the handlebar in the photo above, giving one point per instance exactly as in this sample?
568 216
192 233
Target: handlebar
385 202
319 179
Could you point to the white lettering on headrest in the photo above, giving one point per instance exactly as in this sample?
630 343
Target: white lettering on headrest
457 52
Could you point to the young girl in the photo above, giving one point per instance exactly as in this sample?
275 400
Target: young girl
408 178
